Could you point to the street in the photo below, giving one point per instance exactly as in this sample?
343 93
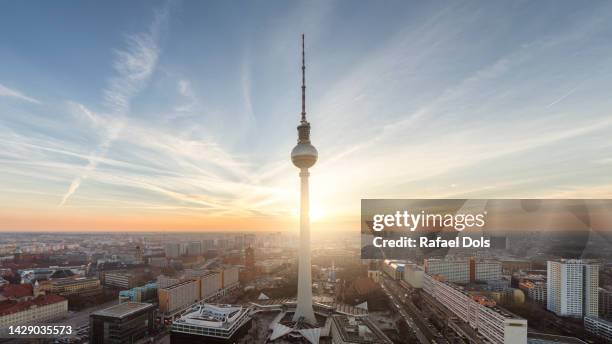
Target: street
423 333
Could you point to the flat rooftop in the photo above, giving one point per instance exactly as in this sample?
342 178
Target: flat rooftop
317 302
554 338
123 309
359 330
181 284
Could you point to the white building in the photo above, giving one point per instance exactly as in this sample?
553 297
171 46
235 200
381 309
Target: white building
494 323
573 287
212 321
599 327
413 275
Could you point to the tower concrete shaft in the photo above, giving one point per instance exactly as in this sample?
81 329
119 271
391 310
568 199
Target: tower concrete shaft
304 300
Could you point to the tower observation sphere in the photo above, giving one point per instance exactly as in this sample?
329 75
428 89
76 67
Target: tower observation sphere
304 155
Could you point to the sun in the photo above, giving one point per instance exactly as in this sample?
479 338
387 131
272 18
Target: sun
316 213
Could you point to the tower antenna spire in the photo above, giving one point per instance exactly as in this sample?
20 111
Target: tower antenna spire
303 83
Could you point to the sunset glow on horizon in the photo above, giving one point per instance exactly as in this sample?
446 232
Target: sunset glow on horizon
160 116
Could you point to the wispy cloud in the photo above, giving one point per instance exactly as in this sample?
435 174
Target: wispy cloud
134 66
245 82
185 89
12 93
560 99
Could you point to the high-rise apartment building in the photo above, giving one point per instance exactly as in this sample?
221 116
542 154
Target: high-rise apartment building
573 286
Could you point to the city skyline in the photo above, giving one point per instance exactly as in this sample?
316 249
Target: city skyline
162 116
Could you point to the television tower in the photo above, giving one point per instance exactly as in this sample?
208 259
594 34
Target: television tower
304 156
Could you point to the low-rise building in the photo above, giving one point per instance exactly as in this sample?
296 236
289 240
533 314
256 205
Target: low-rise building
212 322
122 280
146 292
123 323
82 286
32 311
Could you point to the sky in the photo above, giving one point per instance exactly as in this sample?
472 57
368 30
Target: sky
181 115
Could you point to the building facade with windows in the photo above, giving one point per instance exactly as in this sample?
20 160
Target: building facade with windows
126 322
209 322
178 296
494 323
32 311
599 327
573 288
